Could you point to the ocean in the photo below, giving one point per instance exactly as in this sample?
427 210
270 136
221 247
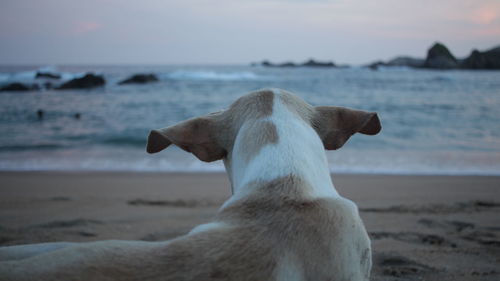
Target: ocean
434 122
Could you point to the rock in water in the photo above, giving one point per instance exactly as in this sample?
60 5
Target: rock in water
86 82
398 61
309 63
267 63
483 60
406 61
18 87
313 63
40 74
439 57
140 79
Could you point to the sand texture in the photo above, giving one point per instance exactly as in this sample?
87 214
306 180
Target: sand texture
422 227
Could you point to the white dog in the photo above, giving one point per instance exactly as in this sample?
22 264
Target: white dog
284 221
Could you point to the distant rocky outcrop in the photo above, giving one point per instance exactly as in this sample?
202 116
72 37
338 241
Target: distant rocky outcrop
399 61
406 61
313 63
439 57
18 87
483 60
86 82
267 63
41 74
309 63
140 79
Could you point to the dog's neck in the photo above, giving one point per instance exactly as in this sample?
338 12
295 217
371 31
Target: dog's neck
295 150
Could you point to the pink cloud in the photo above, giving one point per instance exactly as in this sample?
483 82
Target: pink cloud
85 27
485 15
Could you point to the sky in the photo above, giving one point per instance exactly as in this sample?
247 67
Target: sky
239 31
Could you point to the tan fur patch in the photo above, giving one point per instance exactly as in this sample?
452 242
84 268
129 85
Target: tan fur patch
247 108
256 136
297 106
257 104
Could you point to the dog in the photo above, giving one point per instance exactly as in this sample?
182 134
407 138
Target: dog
284 221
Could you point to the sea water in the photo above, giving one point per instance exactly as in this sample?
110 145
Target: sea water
434 122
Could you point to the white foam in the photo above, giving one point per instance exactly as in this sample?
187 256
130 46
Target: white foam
212 75
169 164
68 76
23 76
49 69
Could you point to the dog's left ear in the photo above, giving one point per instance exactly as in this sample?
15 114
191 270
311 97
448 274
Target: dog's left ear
335 125
197 135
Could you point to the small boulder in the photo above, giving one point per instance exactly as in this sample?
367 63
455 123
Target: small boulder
267 63
40 113
47 86
40 74
285 64
406 61
313 63
86 82
439 57
398 61
18 87
483 60
140 79
376 65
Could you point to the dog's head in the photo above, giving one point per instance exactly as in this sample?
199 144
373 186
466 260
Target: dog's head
211 137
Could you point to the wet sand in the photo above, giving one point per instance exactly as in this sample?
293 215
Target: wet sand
422 227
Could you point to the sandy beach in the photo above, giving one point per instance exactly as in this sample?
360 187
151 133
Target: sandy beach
422 227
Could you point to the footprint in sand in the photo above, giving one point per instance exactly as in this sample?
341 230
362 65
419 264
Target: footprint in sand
414 237
399 266
488 236
458 207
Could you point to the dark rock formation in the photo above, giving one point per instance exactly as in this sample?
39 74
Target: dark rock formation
439 57
40 74
376 65
140 79
483 60
285 64
398 61
313 63
39 114
18 87
48 85
309 63
406 61
86 82
267 63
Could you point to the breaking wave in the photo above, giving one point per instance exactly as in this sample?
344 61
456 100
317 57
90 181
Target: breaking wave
212 75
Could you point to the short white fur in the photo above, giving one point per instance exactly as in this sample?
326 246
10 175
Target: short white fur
299 151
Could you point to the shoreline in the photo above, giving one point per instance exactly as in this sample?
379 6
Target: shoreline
217 172
421 227
396 189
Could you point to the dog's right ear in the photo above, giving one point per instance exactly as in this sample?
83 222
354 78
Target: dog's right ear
197 135
335 125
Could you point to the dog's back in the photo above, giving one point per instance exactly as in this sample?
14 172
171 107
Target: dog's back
259 238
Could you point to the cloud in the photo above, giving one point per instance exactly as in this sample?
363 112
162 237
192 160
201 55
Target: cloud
485 15
83 27
238 31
